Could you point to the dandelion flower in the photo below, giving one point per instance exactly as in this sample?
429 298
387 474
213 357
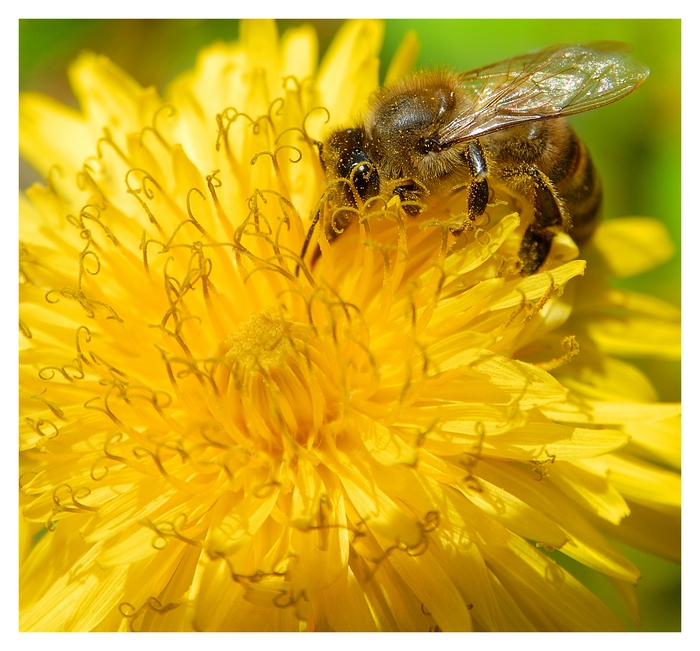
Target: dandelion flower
392 436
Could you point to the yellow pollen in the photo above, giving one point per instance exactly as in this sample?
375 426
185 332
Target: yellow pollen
259 342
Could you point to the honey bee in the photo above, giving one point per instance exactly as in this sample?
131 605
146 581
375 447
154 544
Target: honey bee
436 133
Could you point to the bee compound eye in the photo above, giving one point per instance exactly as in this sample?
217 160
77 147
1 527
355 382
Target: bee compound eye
366 180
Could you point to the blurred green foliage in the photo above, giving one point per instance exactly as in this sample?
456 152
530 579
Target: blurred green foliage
636 143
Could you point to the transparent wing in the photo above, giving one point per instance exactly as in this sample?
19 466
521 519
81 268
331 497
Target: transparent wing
554 82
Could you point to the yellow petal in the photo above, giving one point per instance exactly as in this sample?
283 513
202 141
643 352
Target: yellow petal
610 379
637 337
543 441
428 579
350 71
533 576
586 482
382 514
404 58
516 515
354 616
51 134
613 413
299 52
661 439
651 530
632 245
643 481
534 287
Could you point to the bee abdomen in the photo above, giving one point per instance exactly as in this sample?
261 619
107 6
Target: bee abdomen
579 188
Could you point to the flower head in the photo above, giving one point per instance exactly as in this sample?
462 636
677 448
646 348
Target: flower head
392 433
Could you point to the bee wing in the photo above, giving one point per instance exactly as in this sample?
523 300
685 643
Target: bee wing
554 82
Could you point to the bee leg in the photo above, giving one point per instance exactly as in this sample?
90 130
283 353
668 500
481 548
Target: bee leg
477 202
477 198
550 215
534 248
410 195
548 219
478 193
478 190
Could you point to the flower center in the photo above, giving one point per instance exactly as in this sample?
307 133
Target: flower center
261 341
271 395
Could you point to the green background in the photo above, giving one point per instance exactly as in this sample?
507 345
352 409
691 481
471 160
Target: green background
636 144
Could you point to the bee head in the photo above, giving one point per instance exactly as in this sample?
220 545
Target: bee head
403 124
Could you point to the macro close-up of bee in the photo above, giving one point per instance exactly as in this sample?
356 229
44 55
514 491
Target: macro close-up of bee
438 135
350 326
